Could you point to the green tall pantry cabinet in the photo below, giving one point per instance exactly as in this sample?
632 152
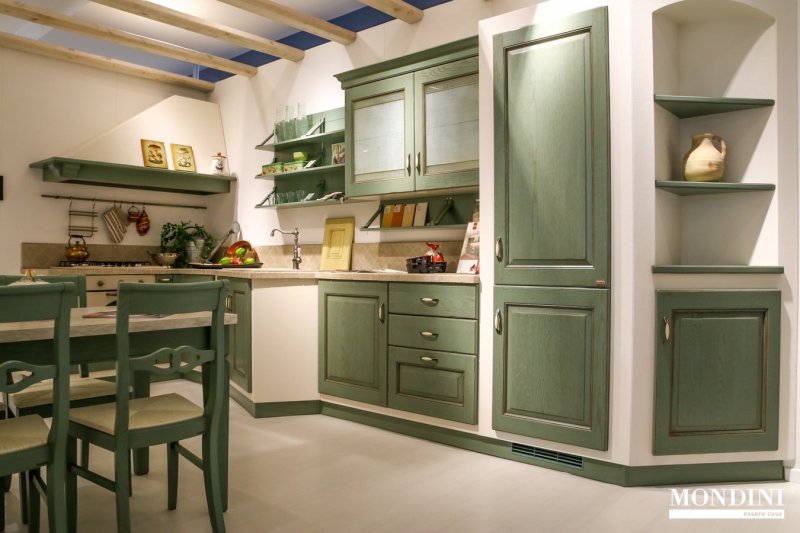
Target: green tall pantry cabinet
552 242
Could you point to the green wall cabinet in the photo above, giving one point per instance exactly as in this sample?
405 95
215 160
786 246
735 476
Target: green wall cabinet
412 122
240 340
552 153
551 364
717 371
352 340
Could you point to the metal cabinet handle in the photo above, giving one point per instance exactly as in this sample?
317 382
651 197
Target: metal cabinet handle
380 312
666 329
498 322
408 164
429 334
101 283
428 359
429 301
498 248
417 163
228 301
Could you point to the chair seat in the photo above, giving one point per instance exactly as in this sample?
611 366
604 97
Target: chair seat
79 389
145 413
22 433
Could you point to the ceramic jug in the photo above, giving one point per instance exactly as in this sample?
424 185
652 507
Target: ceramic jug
218 164
704 161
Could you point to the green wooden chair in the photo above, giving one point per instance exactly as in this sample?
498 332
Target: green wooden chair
26 442
165 419
38 399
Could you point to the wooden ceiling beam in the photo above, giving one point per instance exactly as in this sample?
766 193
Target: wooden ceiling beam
396 8
203 27
54 19
295 19
24 44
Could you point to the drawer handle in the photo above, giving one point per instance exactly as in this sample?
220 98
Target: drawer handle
408 164
427 359
666 329
498 248
228 304
429 334
498 322
429 301
417 163
380 312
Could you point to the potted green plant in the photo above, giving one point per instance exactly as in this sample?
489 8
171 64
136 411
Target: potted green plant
176 237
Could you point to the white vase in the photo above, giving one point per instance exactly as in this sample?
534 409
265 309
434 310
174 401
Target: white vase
704 161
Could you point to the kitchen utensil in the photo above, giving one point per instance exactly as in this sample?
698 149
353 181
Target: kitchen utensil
77 223
76 249
143 222
133 214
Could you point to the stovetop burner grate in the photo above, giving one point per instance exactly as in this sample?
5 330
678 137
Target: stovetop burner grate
104 263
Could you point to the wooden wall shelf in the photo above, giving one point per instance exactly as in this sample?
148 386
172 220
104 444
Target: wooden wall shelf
78 171
695 106
692 188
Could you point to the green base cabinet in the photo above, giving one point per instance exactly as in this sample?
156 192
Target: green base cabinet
352 340
551 364
433 350
240 339
717 371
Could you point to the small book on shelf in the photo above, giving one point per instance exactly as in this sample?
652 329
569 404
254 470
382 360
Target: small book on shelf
408 215
386 220
420 212
397 215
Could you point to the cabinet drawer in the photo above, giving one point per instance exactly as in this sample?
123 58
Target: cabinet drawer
447 334
111 281
432 299
433 383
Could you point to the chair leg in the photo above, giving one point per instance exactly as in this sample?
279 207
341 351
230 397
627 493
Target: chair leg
34 508
6 483
122 477
23 496
172 475
56 492
72 485
85 454
3 512
213 481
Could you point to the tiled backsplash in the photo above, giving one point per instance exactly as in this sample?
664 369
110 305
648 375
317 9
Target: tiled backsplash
366 256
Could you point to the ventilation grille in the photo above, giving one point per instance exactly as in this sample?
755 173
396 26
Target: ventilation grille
543 454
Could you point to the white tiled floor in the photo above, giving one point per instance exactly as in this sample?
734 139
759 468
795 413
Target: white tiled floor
321 474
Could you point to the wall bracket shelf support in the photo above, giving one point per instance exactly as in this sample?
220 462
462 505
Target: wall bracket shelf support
65 170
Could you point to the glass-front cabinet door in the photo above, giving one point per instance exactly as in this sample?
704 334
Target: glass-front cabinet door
379 137
446 125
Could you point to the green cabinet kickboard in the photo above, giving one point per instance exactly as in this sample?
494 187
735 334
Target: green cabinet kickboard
717 371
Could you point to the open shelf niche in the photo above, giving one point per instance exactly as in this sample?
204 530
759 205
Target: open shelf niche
702 85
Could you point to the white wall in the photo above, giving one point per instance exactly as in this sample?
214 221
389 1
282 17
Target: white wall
49 108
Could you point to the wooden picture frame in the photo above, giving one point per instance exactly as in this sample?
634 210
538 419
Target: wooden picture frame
154 154
183 158
337 243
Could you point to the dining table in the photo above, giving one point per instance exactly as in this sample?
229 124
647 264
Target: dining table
92 339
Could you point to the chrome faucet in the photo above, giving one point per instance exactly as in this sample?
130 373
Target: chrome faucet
296 260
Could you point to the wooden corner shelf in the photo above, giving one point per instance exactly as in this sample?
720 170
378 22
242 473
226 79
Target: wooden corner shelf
692 188
66 170
695 106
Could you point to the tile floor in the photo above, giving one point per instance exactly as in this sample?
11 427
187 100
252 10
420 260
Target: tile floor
321 474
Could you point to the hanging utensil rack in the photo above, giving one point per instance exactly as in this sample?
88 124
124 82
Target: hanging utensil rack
76 224
118 201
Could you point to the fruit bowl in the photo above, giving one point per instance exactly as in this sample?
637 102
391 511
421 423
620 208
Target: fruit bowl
240 254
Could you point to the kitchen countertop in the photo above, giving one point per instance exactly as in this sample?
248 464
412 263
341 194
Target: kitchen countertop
274 273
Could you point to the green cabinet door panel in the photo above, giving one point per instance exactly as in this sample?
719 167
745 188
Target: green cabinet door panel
379 137
352 340
239 341
434 333
717 371
552 153
551 364
446 125
434 299
433 383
